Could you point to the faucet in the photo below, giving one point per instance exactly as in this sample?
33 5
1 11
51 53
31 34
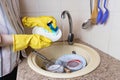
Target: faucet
70 35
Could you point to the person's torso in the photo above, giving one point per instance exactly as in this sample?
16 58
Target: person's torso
8 58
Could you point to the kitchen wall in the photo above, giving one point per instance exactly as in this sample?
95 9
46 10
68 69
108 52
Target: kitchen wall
105 37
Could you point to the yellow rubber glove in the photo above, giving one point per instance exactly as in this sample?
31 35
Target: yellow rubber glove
40 21
35 41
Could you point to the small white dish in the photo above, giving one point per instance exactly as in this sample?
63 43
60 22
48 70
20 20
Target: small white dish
55 68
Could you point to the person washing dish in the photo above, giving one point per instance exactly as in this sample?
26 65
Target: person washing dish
45 31
13 41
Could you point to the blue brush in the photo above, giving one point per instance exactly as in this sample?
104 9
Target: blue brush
105 15
100 13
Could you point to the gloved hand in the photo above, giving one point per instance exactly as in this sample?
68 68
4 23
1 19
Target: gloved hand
35 41
41 21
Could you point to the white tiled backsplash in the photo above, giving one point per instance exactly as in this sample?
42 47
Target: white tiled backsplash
104 37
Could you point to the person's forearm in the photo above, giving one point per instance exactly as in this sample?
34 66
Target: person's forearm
6 40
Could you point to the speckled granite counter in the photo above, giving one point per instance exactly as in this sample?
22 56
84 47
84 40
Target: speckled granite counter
109 69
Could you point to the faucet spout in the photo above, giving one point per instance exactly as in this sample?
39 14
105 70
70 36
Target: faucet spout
70 35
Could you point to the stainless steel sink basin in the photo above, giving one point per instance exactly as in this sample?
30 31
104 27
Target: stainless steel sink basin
60 48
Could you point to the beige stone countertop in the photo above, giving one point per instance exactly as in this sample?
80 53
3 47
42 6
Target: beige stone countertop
109 69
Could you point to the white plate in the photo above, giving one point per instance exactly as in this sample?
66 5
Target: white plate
63 60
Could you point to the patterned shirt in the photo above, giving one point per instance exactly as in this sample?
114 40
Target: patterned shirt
9 24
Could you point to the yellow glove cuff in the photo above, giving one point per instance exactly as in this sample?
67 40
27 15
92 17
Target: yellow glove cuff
35 41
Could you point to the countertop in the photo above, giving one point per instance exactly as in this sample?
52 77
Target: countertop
109 69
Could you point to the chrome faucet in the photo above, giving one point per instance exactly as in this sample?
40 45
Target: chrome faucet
70 35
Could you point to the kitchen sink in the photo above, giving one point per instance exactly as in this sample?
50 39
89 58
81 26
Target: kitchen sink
58 49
